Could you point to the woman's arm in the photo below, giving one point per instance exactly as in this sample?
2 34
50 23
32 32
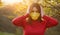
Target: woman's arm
19 20
50 21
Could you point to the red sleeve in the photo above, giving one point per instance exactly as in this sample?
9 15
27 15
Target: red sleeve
19 20
50 21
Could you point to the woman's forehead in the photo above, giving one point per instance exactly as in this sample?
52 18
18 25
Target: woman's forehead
34 7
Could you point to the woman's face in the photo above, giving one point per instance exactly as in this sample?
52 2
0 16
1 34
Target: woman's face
34 9
34 15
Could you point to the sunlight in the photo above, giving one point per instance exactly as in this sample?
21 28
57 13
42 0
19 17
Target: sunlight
6 2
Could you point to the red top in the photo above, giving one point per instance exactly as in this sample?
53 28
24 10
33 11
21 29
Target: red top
37 27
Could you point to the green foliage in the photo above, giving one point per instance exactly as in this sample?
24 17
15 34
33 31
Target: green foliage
5 33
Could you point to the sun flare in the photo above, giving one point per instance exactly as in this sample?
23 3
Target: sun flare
11 1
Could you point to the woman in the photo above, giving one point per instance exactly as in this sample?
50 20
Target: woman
33 23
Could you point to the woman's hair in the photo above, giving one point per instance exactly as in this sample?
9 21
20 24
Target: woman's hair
31 10
35 5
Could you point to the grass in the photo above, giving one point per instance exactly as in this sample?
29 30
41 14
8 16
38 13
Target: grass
5 33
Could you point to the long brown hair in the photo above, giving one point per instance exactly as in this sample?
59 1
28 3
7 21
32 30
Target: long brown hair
39 10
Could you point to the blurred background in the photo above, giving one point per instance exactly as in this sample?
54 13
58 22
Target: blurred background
10 9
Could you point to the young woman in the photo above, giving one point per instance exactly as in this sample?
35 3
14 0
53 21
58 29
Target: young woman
33 23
